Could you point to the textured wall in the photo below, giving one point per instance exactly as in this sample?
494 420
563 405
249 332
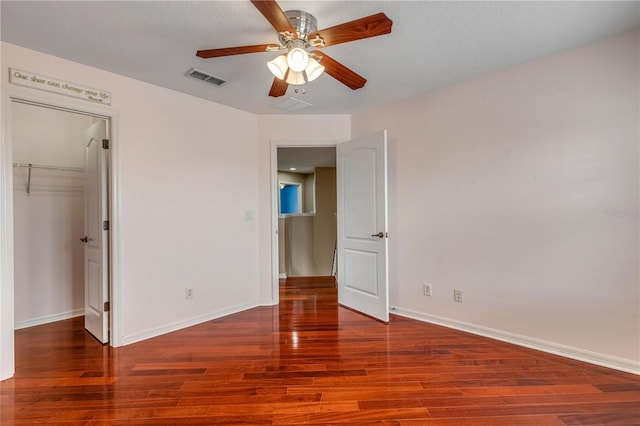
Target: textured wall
521 188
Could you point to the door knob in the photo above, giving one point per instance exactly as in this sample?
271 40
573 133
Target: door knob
379 235
84 239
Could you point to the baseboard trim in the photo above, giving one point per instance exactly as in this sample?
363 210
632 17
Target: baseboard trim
155 332
48 318
282 276
602 360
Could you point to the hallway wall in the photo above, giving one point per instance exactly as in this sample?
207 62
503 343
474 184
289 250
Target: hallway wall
325 225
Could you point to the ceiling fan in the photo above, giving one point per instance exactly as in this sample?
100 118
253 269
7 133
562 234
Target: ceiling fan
298 36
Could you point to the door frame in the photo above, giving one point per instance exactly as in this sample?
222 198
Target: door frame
44 99
275 144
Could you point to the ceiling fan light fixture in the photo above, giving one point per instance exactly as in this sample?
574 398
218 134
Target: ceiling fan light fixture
295 78
298 59
313 70
278 66
298 35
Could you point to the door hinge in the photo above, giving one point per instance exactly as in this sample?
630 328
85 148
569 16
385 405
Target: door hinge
107 306
105 143
105 225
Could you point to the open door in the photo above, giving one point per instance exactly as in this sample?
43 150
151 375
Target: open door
363 280
96 266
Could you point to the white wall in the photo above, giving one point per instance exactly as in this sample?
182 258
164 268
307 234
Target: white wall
299 130
521 188
48 222
181 223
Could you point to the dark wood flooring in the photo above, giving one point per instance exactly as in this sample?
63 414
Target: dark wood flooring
307 361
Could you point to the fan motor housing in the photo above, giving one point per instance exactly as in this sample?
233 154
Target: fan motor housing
304 23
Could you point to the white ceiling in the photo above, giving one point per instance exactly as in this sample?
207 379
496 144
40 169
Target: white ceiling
431 44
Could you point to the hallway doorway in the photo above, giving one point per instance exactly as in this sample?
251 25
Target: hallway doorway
306 211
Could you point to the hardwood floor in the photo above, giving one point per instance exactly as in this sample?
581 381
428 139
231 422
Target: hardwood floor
307 361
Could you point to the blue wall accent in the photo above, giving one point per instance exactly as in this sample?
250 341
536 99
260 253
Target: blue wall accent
289 199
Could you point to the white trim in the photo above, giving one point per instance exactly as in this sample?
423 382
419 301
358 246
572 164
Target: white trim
7 322
7 358
49 318
286 215
179 325
282 275
608 361
275 261
115 216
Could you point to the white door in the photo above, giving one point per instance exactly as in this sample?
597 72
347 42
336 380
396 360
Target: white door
363 281
96 262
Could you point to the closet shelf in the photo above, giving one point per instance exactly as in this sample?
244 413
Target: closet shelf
49 167
46 167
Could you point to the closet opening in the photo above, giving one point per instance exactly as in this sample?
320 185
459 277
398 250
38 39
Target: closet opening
61 204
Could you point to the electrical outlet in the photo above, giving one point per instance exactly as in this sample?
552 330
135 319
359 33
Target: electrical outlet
457 295
188 293
427 290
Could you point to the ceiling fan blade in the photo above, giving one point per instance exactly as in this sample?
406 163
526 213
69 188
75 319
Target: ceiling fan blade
341 73
276 17
370 26
228 51
278 88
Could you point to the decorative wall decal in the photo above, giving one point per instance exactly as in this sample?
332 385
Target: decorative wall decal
36 81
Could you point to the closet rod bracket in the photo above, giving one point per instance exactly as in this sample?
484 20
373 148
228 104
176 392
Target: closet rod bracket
29 179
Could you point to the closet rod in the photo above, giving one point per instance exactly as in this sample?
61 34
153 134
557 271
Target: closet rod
47 167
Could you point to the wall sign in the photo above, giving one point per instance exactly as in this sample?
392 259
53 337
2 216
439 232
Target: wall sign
36 81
